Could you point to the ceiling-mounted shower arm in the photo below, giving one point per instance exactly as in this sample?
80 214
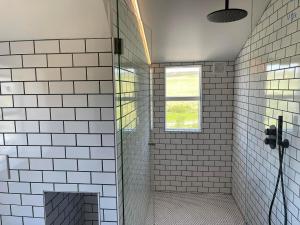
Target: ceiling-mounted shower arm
226 4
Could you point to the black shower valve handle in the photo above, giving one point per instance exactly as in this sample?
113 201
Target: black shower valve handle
272 137
270 131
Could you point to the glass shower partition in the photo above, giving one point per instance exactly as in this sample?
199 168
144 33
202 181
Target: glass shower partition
132 97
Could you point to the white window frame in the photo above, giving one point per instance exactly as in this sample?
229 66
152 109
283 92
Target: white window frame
199 99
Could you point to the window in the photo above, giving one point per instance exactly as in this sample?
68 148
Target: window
183 98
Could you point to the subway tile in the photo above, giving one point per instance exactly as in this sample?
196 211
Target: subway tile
60 60
102 153
107 114
108 140
6 101
79 177
4 48
7 126
76 127
64 139
87 59
61 87
33 221
25 101
34 61
29 151
30 176
103 178
62 114
33 200
11 61
41 164
101 127
74 101
38 114
13 114
87 114
99 73
18 164
21 210
66 187
48 74
12 220
77 152
55 176
22 47
53 152
47 46
11 88
86 87
16 187
39 139
27 126
65 164
36 88
51 127
49 101
88 140
109 165
72 46
73 74
98 45
23 74
106 87
89 165
100 100
15 139
105 59
5 75
39 188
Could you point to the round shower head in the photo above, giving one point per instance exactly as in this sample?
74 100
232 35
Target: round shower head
227 15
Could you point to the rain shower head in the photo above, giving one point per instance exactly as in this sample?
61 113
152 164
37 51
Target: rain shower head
227 15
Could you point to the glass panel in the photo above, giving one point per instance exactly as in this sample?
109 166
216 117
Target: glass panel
183 81
132 76
182 115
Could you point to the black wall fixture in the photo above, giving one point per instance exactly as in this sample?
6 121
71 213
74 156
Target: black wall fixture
274 139
227 15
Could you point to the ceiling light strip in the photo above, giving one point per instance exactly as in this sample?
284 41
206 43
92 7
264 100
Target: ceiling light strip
141 29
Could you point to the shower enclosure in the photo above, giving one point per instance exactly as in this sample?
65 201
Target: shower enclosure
226 165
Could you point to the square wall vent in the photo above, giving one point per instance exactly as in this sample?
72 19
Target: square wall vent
219 67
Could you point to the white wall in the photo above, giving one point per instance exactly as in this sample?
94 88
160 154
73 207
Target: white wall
53 19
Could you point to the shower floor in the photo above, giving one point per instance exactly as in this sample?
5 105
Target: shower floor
196 209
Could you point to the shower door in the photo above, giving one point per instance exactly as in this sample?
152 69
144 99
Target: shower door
132 88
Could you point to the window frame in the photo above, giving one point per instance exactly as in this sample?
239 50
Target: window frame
184 98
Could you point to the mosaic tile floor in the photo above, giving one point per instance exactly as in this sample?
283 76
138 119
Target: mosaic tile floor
196 209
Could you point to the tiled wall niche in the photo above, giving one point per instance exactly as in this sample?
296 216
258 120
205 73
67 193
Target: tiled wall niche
267 84
195 162
57 125
71 208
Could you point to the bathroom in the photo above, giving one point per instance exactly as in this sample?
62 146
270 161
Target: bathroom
150 112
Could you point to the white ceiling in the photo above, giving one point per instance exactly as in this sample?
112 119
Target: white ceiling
181 32
53 19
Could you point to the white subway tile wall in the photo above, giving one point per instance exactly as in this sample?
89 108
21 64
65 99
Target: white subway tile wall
57 127
267 84
195 161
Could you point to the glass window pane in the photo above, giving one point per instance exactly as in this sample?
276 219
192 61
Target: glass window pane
182 115
183 81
